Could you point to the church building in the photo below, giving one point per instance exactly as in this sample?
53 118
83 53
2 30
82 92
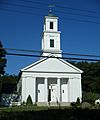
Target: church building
50 80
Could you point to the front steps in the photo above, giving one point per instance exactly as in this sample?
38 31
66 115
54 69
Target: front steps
53 104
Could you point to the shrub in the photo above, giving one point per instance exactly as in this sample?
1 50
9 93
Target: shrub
89 97
29 101
73 105
78 101
86 105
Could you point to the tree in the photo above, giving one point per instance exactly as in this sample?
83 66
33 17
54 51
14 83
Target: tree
90 76
2 59
9 84
2 65
89 97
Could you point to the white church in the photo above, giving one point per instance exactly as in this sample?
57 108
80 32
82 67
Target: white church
50 80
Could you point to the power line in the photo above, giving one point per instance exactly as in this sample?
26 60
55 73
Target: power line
77 9
39 51
56 11
70 13
30 13
77 14
64 7
13 4
67 58
22 50
21 12
79 20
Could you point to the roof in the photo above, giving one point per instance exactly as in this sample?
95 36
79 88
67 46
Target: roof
52 64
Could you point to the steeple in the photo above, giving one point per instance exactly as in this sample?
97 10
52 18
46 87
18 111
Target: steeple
51 36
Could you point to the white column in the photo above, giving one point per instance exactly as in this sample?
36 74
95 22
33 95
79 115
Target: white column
34 89
23 89
46 89
59 95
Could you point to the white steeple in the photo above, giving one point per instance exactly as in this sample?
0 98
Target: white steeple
51 37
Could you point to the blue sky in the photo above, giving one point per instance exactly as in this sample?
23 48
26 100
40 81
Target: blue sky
21 26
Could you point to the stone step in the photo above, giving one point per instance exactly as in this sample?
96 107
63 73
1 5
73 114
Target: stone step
53 104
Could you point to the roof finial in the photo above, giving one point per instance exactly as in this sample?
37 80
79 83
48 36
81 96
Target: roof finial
50 8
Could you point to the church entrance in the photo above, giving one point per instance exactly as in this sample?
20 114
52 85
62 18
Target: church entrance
64 90
52 95
52 90
40 90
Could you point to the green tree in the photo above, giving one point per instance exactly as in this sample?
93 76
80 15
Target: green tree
2 59
91 76
2 65
9 83
89 97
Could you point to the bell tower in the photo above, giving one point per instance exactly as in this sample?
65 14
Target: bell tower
51 37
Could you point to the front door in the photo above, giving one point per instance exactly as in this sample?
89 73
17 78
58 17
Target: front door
40 90
52 93
64 89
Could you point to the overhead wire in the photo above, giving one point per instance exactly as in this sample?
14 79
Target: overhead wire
21 12
64 7
30 13
31 7
67 58
41 51
67 18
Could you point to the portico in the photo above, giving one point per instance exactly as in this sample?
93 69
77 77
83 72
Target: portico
51 90
48 90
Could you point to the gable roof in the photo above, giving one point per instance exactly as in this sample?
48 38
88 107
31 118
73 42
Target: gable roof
52 65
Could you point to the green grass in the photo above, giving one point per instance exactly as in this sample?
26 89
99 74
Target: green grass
48 113
29 108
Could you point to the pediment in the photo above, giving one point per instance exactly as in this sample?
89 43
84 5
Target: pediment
52 65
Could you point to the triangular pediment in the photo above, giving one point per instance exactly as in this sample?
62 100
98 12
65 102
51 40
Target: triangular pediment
52 65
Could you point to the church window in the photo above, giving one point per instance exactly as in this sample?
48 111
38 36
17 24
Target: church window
51 42
51 25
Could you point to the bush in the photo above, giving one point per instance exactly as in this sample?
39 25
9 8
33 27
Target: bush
73 105
78 101
86 105
89 97
29 101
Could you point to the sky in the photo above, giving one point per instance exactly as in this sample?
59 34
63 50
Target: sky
21 27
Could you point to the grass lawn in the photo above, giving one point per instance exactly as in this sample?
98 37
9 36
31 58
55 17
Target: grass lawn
30 108
48 113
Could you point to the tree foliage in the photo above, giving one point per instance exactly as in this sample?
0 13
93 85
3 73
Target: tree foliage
9 83
2 59
89 97
91 76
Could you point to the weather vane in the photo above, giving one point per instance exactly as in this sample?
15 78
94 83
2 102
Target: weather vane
50 8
